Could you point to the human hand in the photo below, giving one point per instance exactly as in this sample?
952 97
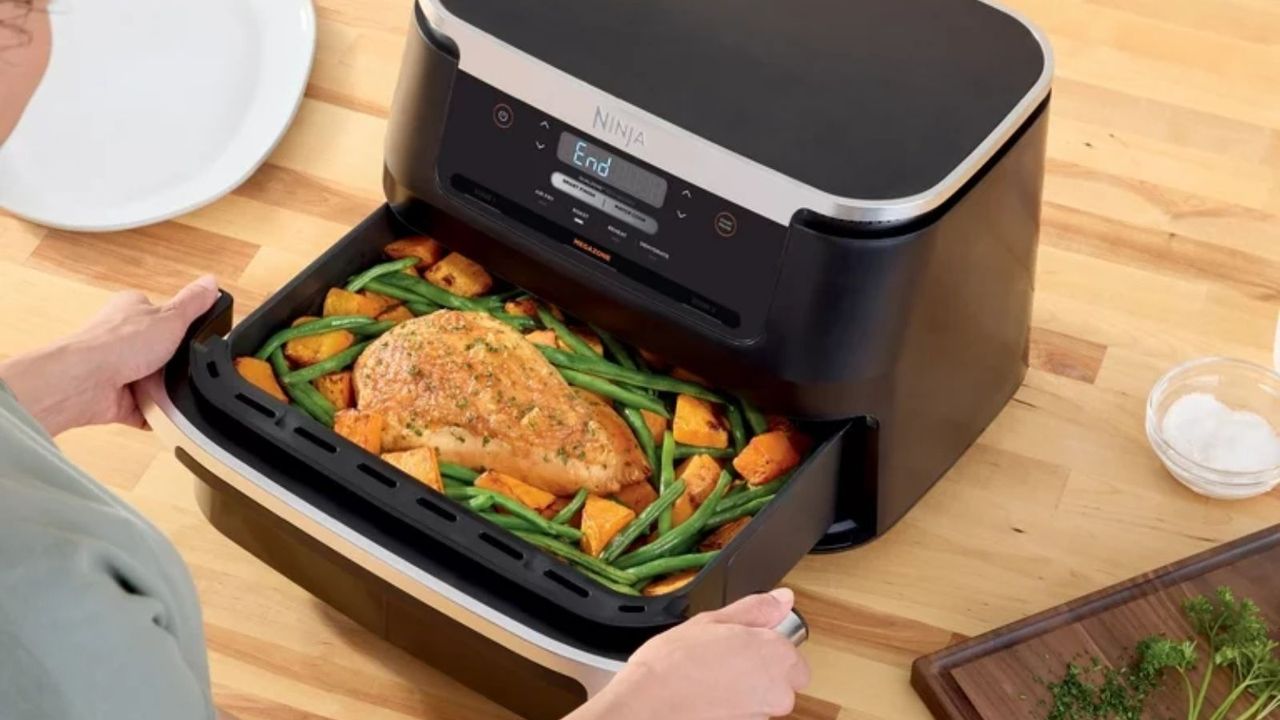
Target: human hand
724 665
85 379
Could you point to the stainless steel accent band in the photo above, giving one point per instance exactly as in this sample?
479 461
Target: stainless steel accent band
716 169
592 671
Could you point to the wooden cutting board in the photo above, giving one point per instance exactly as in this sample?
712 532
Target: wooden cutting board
1001 675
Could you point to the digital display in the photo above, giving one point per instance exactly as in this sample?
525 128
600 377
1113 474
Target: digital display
600 164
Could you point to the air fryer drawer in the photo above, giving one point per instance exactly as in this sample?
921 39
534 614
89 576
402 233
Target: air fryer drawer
432 532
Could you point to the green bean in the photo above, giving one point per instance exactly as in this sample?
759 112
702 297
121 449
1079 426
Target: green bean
751 493
665 477
605 369
666 566
736 428
305 395
508 522
519 322
637 527
614 586
421 307
518 509
687 451
567 336
382 287
458 472
613 392
724 516
374 329
502 297
680 537
315 327
616 349
567 512
359 281
640 429
577 557
755 420
481 502
331 364
439 296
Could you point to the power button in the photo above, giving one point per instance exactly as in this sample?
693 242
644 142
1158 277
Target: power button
502 115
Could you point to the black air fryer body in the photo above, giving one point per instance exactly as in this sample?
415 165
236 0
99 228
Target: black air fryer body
854 233
828 207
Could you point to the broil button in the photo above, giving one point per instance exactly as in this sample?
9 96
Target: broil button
726 224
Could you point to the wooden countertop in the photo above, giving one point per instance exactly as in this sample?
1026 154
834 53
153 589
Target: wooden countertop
1161 243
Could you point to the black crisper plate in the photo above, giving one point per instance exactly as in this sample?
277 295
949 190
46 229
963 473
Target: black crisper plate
444 538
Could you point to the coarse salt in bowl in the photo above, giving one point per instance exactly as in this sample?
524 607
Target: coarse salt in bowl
1215 424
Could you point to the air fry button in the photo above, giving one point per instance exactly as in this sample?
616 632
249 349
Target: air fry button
502 115
726 224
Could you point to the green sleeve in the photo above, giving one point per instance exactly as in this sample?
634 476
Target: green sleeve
98 615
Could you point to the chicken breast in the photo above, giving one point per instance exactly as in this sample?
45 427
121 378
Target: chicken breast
474 389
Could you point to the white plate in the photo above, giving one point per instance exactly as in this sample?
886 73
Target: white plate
152 108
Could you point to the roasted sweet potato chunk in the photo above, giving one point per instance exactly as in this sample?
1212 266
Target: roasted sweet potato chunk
700 474
428 251
601 520
801 442
653 359
656 423
528 307
337 389
421 464
314 348
397 314
696 423
362 428
340 302
682 374
260 375
460 275
723 535
522 492
669 584
637 496
588 337
542 337
388 302
767 457
682 509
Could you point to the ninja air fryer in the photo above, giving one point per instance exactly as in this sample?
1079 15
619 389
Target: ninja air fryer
830 208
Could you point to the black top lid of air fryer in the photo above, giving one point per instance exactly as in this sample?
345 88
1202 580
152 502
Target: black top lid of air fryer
868 99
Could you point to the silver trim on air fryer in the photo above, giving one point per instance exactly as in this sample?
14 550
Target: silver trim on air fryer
716 169
592 671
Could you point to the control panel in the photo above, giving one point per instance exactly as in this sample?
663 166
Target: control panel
583 194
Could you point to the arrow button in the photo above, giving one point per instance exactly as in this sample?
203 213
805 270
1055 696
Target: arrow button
682 214
541 145
686 193
544 125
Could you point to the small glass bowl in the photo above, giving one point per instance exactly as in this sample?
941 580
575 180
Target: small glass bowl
1238 384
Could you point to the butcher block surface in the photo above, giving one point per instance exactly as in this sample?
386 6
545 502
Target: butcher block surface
1001 675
